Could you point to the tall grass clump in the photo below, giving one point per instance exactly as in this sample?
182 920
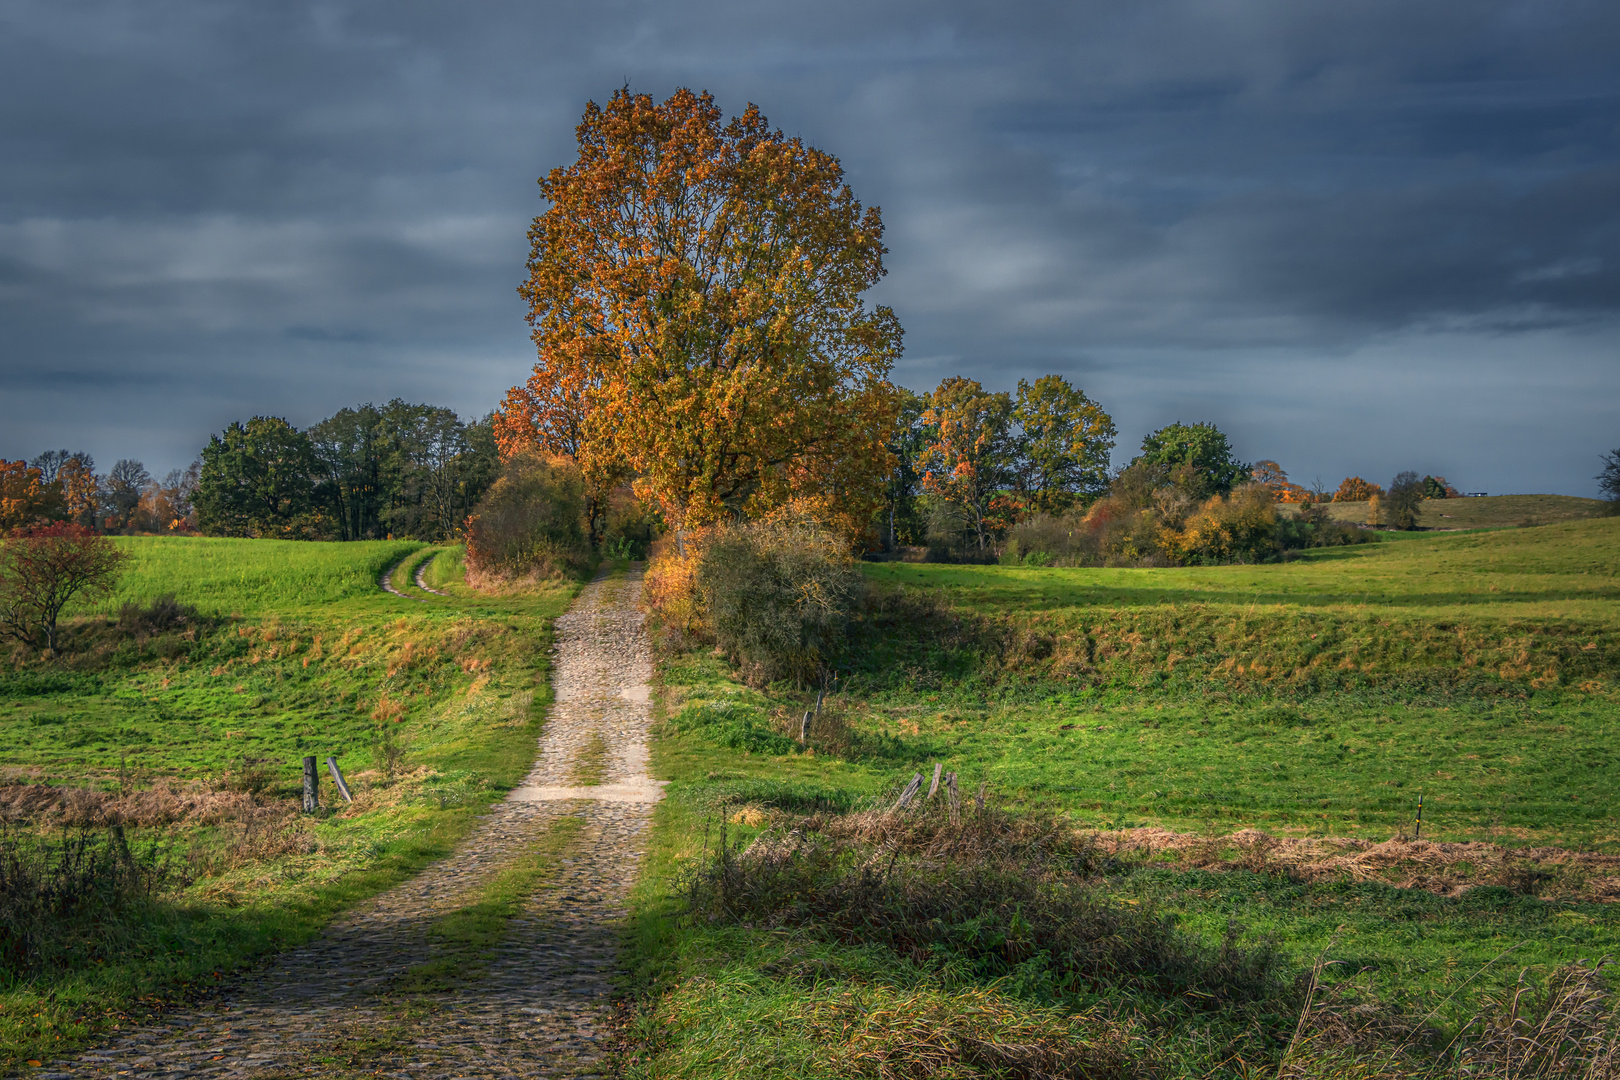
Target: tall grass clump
72 900
995 897
779 597
531 525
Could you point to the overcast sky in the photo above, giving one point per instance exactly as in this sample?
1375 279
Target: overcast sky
1360 237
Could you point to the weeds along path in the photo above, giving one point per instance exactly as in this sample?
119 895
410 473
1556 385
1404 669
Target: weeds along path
494 962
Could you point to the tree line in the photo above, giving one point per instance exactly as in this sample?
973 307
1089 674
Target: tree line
364 473
367 472
63 486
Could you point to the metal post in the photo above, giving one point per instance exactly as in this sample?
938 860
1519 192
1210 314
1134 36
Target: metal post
312 780
1417 833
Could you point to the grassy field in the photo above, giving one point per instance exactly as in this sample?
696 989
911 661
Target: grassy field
192 733
1154 715
1488 512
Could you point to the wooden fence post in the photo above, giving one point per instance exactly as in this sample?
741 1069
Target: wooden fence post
337 778
312 780
910 791
933 786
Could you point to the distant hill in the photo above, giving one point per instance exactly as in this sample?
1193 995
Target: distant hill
1488 511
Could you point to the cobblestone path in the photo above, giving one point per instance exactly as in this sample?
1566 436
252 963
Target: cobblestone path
540 1007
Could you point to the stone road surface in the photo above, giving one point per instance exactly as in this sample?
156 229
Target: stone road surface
540 1009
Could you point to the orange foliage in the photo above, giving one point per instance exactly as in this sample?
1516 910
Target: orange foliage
1355 489
24 500
971 455
695 293
1270 475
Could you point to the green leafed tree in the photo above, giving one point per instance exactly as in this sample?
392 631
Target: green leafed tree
256 480
903 523
1063 444
1199 453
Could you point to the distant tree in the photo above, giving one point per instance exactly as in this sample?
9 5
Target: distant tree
349 448
44 567
1204 448
912 434
166 506
1404 501
1063 444
1270 475
1609 479
24 499
50 463
255 480
123 488
972 454
1355 489
1375 509
1435 487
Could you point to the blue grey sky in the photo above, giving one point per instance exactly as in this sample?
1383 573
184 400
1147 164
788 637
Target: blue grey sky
1359 237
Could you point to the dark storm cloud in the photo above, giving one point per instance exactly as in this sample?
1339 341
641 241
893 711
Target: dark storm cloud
1401 218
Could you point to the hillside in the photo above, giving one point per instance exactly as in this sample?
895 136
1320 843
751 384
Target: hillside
1487 512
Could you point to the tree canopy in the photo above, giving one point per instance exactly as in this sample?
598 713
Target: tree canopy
695 293
1203 447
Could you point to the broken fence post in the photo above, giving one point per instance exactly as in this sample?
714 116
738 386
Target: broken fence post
337 778
978 800
934 785
312 780
910 791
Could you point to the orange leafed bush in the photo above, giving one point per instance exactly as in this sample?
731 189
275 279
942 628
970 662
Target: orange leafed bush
1355 489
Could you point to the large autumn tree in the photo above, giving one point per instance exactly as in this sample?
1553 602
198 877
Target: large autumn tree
695 292
972 455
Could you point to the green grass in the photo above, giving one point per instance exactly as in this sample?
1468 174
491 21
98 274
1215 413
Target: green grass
250 577
1314 698
300 653
1490 512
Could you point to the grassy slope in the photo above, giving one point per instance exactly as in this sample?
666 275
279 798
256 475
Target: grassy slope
1497 758
1489 512
318 660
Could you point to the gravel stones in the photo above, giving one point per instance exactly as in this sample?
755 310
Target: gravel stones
540 1008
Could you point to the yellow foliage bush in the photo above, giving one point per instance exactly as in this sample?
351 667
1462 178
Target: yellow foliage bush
669 589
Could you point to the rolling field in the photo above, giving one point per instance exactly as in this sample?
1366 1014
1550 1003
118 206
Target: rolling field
1489 512
1161 713
192 733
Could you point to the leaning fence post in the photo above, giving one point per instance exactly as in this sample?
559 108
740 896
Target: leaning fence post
911 789
312 781
939 766
337 778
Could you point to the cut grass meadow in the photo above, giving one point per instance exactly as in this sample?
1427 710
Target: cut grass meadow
1180 734
191 734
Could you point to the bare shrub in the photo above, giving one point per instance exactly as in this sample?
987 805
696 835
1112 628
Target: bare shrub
78 892
1006 895
779 597
530 526
160 615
